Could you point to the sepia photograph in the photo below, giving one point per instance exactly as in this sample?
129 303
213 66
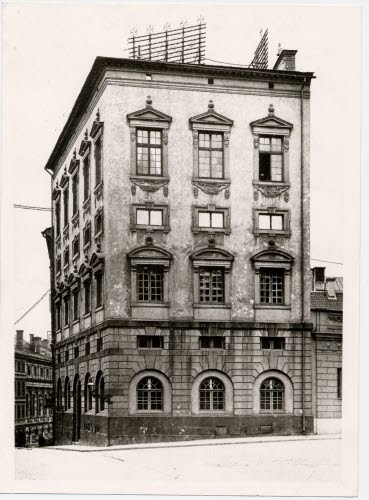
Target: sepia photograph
181 235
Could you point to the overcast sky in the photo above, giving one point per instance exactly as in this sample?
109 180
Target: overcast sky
51 48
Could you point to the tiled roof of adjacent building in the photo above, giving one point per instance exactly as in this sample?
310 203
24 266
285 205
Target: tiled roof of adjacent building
320 300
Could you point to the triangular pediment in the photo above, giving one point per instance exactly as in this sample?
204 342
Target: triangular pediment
211 117
271 122
149 114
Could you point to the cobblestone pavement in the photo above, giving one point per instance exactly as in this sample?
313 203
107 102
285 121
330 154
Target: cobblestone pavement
243 468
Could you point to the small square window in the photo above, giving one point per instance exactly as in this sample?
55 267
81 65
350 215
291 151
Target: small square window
212 342
99 344
146 217
150 342
272 343
148 77
210 81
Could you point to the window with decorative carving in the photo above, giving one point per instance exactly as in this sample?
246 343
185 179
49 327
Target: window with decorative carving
66 311
75 297
272 395
99 218
271 145
149 142
149 216
212 394
87 235
75 246
58 265
66 257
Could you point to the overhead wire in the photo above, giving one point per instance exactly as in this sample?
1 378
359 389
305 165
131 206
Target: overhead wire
32 307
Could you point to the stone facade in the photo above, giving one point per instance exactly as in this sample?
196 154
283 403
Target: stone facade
100 318
33 390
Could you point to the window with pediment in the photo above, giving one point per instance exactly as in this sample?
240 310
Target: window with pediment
272 283
150 282
211 283
149 143
96 134
211 132
271 146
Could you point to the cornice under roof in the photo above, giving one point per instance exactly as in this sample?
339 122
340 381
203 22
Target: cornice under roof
102 64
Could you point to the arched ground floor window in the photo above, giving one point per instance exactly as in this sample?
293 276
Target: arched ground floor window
273 393
150 391
212 391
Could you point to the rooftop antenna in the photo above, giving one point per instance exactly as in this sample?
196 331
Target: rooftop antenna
181 45
260 60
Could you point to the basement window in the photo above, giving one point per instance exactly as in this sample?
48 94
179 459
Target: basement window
149 342
212 342
210 81
272 343
148 76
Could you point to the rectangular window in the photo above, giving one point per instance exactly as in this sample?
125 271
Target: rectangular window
212 342
57 316
99 345
149 152
149 217
66 206
87 348
41 372
86 177
87 235
75 246
271 159
211 285
272 343
149 342
75 188
59 358
87 297
272 222
211 155
75 295
66 312
98 164
98 222
271 286
66 355
149 284
66 256
76 352
211 219
99 290
58 265
57 218
339 383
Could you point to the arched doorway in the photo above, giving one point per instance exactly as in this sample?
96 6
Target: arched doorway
77 409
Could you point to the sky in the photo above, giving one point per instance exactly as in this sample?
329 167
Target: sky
49 50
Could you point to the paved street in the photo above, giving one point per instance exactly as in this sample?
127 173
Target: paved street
245 467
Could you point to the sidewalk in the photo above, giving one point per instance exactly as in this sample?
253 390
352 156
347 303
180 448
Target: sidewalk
204 442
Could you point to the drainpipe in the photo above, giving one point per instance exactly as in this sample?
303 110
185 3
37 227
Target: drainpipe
302 257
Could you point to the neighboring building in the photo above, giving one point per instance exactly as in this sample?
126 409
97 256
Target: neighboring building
326 315
181 254
33 388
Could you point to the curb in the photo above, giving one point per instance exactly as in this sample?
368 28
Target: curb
189 444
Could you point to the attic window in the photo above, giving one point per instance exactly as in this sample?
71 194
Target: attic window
271 85
148 76
211 81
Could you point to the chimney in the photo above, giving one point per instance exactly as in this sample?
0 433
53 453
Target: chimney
45 344
35 343
331 289
318 278
19 339
286 60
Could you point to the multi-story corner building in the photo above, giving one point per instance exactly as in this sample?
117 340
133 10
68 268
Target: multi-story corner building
327 316
33 388
181 253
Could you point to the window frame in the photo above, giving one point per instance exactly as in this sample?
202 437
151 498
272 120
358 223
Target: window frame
211 339
272 211
210 149
214 285
272 392
150 270
272 291
167 393
211 208
270 154
165 227
149 146
149 341
271 341
149 392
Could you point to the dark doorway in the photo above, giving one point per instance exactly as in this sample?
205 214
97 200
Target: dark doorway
77 409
